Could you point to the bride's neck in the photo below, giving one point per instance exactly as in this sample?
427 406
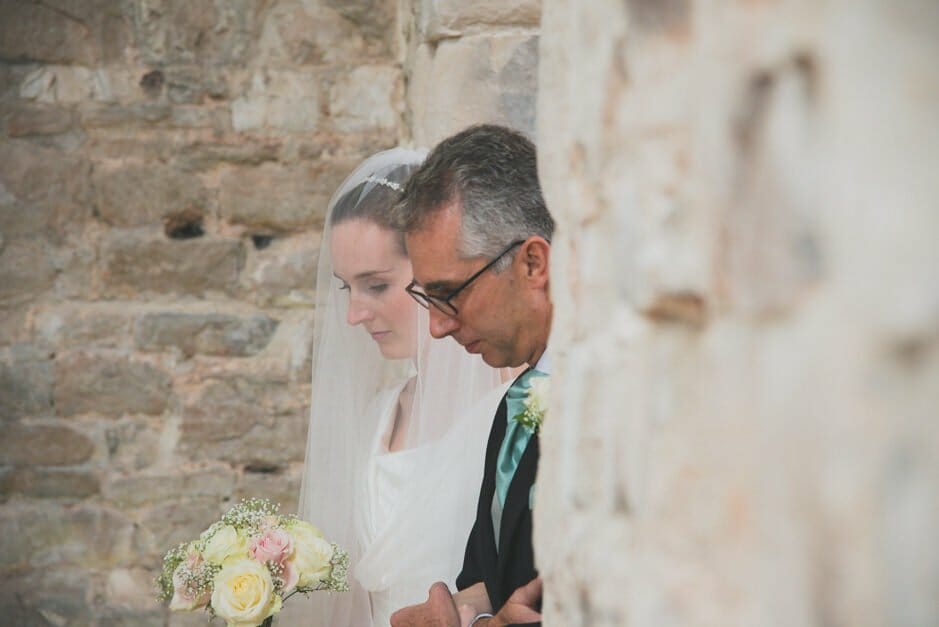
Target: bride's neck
399 426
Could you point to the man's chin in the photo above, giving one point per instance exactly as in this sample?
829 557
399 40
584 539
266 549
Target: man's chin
494 359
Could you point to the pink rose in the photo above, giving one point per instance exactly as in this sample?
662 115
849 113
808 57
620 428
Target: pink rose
290 575
274 545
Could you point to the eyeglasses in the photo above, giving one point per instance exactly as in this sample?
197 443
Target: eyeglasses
442 303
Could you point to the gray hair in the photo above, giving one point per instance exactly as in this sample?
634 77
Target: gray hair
493 172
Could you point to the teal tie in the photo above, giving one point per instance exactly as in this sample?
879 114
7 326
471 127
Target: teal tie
516 436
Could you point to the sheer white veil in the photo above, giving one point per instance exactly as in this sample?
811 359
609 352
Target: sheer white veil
350 379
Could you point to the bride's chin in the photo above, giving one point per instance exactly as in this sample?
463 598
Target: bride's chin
394 352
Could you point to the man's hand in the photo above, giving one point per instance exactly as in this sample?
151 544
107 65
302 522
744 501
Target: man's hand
520 608
471 602
438 610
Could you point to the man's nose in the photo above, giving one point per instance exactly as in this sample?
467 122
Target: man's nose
442 325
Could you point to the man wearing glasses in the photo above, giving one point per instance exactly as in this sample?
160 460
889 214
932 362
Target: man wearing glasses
478 235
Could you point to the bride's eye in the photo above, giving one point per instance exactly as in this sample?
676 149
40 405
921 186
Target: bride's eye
378 288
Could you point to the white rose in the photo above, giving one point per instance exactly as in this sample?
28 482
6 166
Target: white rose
225 543
537 400
244 593
312 554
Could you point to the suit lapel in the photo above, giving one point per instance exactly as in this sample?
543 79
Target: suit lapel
488 488
517 499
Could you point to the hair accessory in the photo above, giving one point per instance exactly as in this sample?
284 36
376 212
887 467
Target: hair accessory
385 182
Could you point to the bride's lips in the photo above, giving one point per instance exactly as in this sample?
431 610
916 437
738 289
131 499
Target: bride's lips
378 336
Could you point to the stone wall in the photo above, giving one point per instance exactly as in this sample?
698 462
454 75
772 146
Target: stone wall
470 62
164 169
747 305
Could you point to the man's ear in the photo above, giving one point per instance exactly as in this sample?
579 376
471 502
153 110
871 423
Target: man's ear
535 255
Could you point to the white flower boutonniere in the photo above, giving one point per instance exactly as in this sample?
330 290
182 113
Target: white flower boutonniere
536 404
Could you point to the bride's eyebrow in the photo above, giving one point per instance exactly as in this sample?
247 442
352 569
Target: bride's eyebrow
364 275
370 273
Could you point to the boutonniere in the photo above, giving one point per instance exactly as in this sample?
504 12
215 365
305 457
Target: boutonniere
536 404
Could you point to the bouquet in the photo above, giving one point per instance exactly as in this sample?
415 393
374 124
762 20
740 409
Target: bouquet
247 564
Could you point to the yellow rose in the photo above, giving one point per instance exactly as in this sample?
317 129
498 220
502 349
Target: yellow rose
311 554
225 543
244 593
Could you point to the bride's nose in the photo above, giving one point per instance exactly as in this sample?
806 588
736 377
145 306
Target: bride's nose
357 313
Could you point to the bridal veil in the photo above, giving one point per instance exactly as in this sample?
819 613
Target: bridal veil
423 535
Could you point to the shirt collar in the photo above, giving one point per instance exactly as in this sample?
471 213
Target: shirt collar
544 364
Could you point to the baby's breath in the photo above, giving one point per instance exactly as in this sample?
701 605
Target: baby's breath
172 560
337 575
250 514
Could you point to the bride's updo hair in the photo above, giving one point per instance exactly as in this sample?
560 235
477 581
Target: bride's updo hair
372 200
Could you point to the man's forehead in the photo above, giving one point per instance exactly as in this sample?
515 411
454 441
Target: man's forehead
433 248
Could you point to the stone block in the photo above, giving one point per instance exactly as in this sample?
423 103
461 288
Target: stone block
243 420
124 617
201 32
280 198
27 269
26 381
43 191
134 115
284 272
44 597
42 120
190 84
132 589
139 194
109 385
164 526
282 486
218 119
132 445
367 98
135 490
44 445
72 31
487 78
67 85
137 262
45 483
292 346
70 326
300 33
370 17
445 19
205 155
208 334
285 100
15 325
86 535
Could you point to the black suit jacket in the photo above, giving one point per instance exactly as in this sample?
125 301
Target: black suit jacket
513 565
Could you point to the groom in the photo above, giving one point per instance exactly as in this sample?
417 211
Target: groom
478 235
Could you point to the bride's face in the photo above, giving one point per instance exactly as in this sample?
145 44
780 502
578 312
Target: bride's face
368 260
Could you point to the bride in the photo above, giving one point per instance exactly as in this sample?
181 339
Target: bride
398 421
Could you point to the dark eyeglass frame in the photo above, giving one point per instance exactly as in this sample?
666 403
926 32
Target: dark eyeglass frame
443 304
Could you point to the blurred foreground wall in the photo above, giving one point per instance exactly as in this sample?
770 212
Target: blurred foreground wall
746 340
164 170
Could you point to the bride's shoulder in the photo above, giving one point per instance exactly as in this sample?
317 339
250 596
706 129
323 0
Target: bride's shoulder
488 402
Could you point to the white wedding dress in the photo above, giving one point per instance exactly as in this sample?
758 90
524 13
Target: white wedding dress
413 523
